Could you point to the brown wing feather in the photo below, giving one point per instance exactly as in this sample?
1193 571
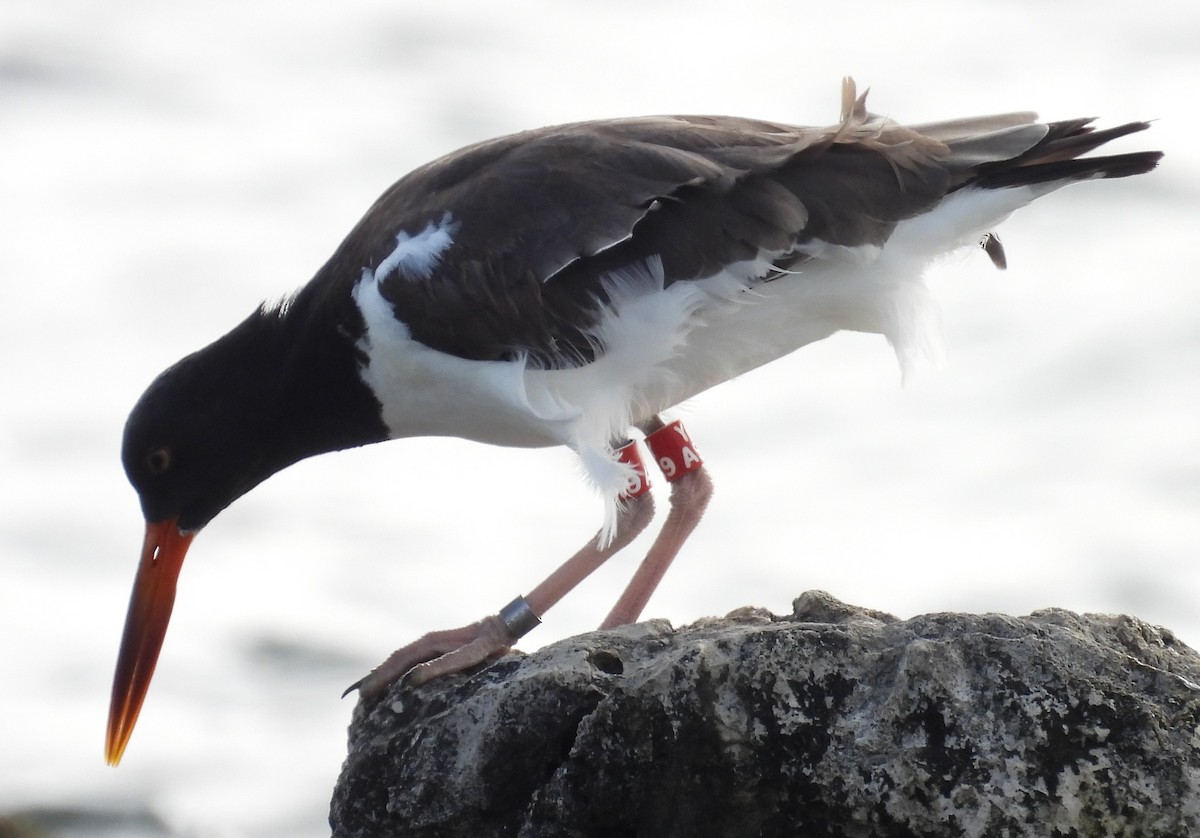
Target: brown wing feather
543 216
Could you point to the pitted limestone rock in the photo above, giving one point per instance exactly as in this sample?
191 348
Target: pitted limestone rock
832 721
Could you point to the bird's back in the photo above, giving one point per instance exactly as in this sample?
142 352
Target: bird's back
541 221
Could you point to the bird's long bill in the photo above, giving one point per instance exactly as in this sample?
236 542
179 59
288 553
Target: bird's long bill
145 627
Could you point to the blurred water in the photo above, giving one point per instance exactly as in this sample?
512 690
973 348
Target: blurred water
164 167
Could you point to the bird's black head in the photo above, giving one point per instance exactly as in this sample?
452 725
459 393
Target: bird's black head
282 386
197 439
274 390
193 444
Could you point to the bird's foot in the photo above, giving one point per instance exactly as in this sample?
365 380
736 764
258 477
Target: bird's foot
437 654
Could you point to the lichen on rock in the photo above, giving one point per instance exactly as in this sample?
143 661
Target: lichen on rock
831 721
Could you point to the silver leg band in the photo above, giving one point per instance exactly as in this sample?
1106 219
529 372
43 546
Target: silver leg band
518 618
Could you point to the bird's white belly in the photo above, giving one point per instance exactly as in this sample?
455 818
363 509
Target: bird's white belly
659 347
662 346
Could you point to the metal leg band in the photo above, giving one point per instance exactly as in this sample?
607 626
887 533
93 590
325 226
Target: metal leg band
518 618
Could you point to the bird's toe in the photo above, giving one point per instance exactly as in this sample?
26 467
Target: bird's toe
436 655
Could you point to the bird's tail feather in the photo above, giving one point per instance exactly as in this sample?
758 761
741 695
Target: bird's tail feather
1112 166
1059 157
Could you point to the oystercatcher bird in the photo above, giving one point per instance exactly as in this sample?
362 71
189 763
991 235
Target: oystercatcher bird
564 286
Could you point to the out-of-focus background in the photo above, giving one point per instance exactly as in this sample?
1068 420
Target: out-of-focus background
164 167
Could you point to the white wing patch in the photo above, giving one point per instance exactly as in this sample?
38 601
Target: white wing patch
416 256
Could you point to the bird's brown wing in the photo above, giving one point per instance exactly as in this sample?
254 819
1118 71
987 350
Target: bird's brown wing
539 219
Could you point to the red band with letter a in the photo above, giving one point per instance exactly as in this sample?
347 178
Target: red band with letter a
639 483
673 451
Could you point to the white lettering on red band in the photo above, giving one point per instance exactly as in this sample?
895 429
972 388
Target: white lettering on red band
639 483
673 451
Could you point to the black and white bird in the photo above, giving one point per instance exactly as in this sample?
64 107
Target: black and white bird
565 286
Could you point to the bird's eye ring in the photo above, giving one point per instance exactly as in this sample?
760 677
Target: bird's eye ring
158 460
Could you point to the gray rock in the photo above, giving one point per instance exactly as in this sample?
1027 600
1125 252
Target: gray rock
833 721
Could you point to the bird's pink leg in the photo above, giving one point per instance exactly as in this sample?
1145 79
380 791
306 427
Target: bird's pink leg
443 652
689 497
691 488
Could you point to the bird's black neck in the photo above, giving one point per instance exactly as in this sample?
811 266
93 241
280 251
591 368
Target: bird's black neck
322 403
281 386
292 375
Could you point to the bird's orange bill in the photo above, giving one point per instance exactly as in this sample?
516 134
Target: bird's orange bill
145 627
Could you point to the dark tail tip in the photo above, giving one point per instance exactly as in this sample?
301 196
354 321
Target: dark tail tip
1059 157
1116 165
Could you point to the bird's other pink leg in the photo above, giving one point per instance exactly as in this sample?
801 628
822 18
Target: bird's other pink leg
691 488
444 652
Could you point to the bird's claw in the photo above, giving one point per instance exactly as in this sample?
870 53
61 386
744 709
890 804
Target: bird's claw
435 655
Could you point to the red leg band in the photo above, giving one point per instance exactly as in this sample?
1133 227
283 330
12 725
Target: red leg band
639 483
673 451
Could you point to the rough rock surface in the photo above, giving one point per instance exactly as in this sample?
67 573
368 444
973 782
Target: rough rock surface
833 721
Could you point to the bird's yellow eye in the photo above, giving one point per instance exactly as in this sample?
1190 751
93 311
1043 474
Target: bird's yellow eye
158 460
